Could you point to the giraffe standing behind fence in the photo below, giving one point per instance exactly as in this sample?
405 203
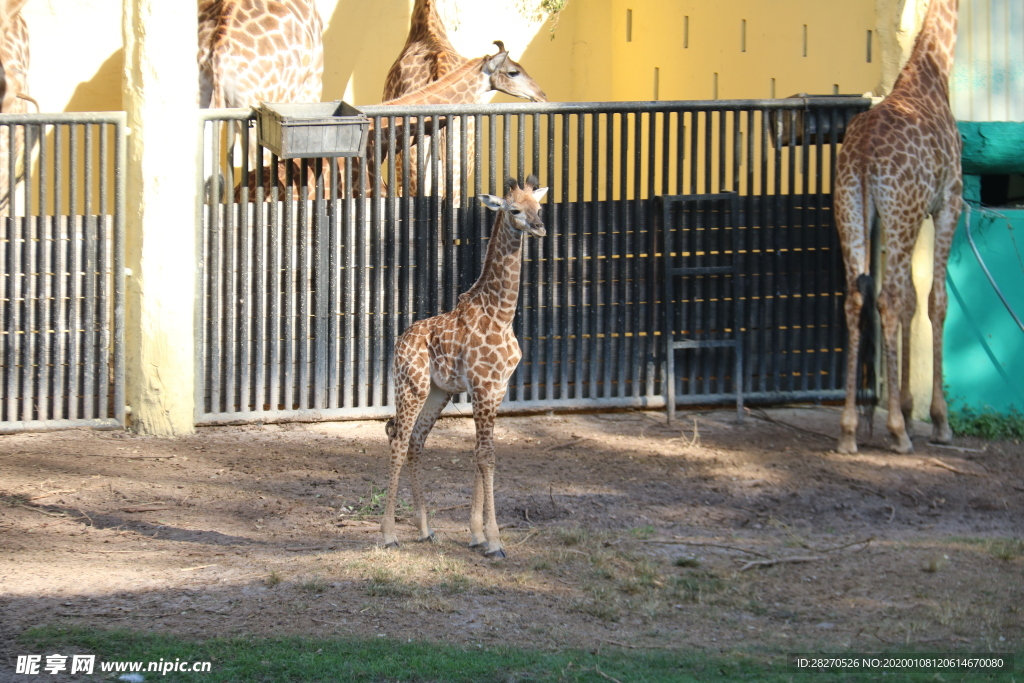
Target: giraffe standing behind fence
253 51
899 163
470 348
14 96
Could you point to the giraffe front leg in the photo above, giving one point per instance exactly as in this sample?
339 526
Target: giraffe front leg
485 409
476 510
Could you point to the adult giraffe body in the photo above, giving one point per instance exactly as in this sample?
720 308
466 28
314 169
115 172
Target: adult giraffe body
899 163
470 348
253 51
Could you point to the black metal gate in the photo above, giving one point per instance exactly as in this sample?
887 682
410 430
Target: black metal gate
62 256
308 279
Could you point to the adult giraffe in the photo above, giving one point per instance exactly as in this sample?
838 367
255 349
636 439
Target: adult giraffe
899 163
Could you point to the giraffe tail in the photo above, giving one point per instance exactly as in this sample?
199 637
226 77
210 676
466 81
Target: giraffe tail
390 428
866 397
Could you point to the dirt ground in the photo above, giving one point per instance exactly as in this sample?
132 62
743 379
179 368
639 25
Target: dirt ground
620 532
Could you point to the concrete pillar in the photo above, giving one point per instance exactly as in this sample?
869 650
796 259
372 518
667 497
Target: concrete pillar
160 96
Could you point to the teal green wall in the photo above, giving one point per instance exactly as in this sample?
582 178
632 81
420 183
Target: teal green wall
984 347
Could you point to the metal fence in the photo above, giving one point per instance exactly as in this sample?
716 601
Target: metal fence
62 256
311 270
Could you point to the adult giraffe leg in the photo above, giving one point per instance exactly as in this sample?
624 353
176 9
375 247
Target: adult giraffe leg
890 307
436 400
848 421
945 226
906 320
483 521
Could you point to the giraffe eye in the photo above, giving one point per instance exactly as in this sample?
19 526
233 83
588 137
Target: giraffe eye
515 212
513 74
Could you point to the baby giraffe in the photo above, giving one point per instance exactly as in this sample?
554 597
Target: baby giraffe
470 348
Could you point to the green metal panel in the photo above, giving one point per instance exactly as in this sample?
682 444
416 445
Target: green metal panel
984 347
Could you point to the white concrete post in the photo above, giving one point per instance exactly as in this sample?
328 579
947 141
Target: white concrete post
160 96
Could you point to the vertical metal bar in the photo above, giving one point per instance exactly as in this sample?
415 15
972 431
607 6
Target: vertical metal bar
766 260
551 325
579 227
289 285
230 266
105 280
648 312
12 318
304 227
633 343
361 247
45 265
120 164
792 281
32 291
259 330
215 262
277 260
376 233
567 329
626 360
596 328
805 302
348 289
450 231
836 309
60 242
320 290
91 243
523 327
668 227
244 299
395 265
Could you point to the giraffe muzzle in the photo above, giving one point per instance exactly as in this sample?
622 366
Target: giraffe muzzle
537 230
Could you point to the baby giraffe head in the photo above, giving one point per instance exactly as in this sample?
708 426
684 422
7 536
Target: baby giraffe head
520 206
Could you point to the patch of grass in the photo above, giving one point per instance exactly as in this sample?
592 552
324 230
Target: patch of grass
686 561
695 586
985 422
1006 548
384 584
273 579
313 585
373 504
272 660
1000 548
572 536
643 532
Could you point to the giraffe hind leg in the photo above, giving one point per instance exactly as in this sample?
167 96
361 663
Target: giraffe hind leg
411 395
436 400
945 226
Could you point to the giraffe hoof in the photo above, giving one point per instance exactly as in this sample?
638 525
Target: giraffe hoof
477 546
904 446
847 446
432 538
498 554
391 546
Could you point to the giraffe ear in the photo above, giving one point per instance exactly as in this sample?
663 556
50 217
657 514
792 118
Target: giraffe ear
494 63
539 193
491 202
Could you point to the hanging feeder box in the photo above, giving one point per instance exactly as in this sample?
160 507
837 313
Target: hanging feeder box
321 129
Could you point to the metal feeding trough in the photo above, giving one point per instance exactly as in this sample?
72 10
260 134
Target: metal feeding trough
814 127
321 129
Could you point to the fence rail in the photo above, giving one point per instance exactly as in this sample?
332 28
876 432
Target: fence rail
310 270
62 255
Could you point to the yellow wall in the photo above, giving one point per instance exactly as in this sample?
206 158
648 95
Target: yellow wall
585 58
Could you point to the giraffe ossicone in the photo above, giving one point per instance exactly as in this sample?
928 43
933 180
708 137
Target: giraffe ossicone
470 348
899 163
